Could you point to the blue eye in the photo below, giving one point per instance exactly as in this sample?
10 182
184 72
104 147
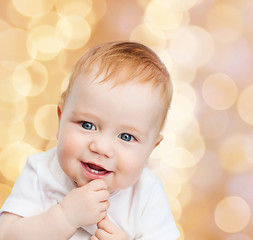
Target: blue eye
126 137
88 126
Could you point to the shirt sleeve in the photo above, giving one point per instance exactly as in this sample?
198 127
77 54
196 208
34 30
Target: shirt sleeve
25 198
157 221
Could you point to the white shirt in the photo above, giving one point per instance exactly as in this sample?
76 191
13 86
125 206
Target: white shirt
141 210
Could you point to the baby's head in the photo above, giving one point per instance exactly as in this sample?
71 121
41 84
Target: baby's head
112 113
124 62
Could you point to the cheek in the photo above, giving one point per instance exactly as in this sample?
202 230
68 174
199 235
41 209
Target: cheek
66 152
68 140
66 146
132 165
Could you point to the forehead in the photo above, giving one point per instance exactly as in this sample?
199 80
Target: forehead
124 90
128 98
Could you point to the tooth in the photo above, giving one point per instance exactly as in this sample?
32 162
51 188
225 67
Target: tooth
94 171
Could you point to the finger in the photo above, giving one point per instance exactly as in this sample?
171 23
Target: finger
104 206
102 234
103 195
97 184
107 225
102 215
93 237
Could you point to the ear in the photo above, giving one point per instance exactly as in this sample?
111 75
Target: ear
59 113
158 141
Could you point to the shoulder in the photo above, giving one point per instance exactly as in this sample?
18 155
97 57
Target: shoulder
156 220
26 196
43 166
148 176
41 162
41 157
148 182
147 192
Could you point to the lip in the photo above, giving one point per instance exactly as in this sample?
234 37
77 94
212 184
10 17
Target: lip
93 175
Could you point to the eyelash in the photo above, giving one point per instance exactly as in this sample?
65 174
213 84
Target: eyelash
88 124
91 126
132 138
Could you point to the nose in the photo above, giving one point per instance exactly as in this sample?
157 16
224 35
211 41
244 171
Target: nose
101 146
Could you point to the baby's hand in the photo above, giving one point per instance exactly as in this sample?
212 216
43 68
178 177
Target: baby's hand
86 205
107 230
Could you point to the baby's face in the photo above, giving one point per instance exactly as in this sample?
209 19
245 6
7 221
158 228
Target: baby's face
108 133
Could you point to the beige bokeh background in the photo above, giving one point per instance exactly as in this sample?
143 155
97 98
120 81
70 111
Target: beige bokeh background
205 161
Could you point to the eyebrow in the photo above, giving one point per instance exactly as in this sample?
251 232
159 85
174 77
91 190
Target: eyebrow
131 128
84 114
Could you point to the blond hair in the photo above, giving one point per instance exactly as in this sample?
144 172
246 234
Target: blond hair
123 62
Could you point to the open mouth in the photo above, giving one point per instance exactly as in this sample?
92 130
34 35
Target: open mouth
94 171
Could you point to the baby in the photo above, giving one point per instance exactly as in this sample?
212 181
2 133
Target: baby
95 183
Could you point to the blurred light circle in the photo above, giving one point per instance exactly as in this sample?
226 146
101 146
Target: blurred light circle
239 185
167 144
232 214
42 43
46 121
192 141
21 80
5 191
183 102
171 189
48 19
204 179
160 153
224 21
211 117
33 8
181 175
174 175
185 90
163 16
219 91
51 144
175 207
72 32
74 7
180 158
152 38
237 236
65 82
191 47
3 25
186 194
178 121
181 74
36 77
14 17
11 132
58 65
98 11
13 45
248 149
175 4
8 92
244 105
13 158
13 112
165 58
232 154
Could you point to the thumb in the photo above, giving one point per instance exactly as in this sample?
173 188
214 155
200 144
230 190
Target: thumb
97 184
103 222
